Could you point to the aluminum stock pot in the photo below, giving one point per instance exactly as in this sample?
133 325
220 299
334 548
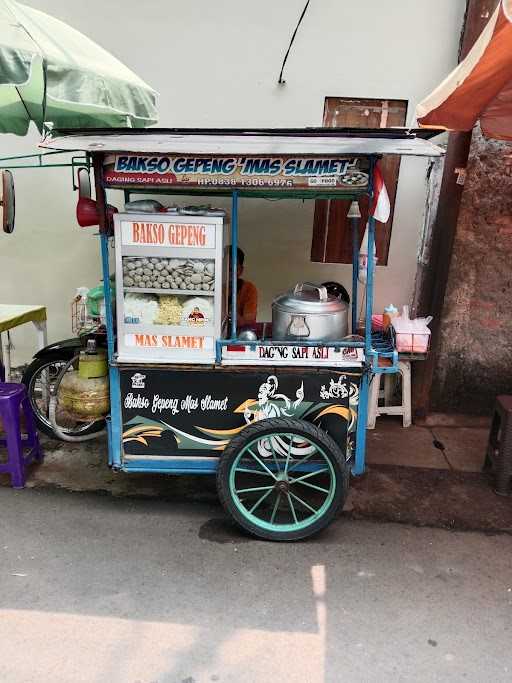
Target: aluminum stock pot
309 313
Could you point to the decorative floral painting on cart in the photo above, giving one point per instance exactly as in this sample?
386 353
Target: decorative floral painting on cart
180 412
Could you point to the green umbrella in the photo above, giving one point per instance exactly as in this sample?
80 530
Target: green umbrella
57 77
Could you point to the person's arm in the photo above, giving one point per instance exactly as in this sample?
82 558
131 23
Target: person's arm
248 305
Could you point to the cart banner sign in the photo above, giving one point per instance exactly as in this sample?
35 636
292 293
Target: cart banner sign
195 413
169 341
281 172
291 354
167 233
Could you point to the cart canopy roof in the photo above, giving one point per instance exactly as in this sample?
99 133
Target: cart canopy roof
307 141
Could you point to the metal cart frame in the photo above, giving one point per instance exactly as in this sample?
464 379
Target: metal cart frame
367 145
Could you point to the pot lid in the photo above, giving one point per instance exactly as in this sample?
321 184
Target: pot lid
309 298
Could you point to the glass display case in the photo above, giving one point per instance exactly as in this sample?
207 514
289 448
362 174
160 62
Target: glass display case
171 293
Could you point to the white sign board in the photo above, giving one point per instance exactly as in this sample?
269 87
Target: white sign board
261 354
155 233
169 341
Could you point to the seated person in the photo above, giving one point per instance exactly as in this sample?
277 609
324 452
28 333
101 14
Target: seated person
246 297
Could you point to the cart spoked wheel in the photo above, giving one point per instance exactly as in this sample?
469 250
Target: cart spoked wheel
282 479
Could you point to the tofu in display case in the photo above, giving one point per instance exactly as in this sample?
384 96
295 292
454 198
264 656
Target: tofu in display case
171 298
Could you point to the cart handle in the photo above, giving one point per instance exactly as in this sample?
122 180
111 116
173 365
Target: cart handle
322 291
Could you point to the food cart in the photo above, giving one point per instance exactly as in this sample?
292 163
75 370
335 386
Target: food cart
281 421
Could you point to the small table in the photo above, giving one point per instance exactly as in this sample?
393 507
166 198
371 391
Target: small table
12 315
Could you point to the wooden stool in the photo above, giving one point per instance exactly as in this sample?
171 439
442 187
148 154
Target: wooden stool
499 446
404 409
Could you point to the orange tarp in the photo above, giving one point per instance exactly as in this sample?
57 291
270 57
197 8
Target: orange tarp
480 88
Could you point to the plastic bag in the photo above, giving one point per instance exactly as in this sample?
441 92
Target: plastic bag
412 336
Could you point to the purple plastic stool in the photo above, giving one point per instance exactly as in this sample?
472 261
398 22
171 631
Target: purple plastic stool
13 397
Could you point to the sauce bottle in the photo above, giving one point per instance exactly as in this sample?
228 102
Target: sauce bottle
390 312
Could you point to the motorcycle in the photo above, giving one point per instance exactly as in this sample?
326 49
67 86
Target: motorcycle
41 374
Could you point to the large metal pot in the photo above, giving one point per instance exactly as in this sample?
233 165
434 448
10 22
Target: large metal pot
309 313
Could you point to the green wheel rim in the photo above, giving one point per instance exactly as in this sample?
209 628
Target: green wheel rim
278 497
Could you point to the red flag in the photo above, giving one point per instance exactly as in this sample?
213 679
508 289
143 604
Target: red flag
381 206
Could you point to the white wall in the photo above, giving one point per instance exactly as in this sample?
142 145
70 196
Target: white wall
216 64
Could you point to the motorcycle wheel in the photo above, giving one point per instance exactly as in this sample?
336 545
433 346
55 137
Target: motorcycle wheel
38 378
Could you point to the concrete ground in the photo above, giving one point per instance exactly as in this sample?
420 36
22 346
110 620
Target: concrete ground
442 448
142 579
421 476
97 589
